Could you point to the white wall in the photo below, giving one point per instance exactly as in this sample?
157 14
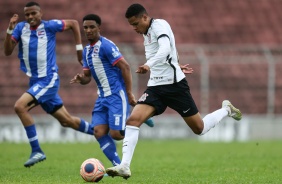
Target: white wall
167 127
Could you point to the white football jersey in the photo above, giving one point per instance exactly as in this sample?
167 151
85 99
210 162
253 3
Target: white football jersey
166 70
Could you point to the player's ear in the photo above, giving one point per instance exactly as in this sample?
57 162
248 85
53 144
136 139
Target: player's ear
145 17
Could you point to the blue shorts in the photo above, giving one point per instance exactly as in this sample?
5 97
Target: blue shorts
45 92
112 110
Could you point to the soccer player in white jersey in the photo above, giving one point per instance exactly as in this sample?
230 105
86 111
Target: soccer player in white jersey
111 72
37 53
167 87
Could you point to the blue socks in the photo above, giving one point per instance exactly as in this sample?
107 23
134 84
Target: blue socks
108 146
32 138
150 122
85 127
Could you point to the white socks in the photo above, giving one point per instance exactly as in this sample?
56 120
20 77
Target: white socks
212 119
129 143
132 133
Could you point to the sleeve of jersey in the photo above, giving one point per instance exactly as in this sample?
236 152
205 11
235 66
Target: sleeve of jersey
57 25
112 53
16 33
163 52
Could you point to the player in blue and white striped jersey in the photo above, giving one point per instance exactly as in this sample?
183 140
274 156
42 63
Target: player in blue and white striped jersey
36 39
103 61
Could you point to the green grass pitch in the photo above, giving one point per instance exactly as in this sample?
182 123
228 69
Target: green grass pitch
154 162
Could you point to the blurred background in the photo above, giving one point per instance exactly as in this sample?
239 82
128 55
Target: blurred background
234 48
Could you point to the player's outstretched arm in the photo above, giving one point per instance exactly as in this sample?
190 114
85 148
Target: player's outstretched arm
10 44
74 26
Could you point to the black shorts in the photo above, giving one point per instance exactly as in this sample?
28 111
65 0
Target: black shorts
176 96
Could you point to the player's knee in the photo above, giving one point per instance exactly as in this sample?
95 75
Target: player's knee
18 108
97 134
197 130
117 135
133 122
66 122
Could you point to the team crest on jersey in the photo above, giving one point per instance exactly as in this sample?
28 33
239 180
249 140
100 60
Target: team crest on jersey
115 53
41 33
143 97
96 50
149 37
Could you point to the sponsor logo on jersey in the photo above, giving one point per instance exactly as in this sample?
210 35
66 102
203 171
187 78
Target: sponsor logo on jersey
115 52
157 78
57 21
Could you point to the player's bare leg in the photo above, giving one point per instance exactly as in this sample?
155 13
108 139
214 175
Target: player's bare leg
201 126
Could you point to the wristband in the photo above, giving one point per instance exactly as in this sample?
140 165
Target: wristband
79 47
9 31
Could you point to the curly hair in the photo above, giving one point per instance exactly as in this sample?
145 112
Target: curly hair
94 17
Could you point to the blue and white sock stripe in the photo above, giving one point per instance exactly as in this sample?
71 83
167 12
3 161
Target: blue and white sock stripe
86 127
33 138
105 146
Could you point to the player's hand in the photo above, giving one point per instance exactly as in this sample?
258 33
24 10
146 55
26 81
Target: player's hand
131 99
186 69
143 69
77 78
13 21
79 56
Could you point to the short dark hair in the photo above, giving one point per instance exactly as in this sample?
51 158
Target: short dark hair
31 3
94 17
135 10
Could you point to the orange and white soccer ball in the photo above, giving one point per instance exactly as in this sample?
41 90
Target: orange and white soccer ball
92 170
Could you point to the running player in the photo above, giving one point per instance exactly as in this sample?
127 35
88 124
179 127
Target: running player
167 87
36 39
111 72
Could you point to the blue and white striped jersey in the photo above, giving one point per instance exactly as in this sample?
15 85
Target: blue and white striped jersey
100 59
37 47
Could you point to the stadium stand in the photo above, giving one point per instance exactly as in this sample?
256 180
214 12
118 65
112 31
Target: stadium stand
208 23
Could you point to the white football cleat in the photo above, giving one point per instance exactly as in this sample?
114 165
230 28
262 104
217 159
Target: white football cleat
119 170
232 111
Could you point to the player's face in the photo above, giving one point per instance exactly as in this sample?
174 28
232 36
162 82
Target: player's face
140 24
33 15
91 30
